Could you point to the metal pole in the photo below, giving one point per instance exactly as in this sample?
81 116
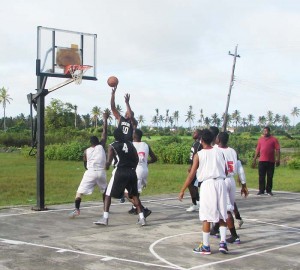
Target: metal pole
230 87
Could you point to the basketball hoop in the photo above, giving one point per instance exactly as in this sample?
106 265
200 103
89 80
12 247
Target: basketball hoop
77 72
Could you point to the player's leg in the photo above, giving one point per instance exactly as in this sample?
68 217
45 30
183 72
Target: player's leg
262 171
194 191
270 173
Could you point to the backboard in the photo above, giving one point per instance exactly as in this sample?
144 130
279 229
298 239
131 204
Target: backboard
57 48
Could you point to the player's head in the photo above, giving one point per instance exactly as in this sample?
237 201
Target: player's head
118 134
215 131
128 116
94 140
266 131
137 135
197 134
207 137
223 138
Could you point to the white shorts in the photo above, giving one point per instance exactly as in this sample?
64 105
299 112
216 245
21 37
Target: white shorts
142 176
90 179
213 196
231 188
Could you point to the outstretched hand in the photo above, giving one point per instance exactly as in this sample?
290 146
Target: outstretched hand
127 98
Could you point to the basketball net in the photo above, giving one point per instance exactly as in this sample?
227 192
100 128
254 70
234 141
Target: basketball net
77 72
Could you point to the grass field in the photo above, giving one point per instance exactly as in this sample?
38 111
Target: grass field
18 180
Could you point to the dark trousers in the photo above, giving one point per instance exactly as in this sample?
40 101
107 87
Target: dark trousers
265 168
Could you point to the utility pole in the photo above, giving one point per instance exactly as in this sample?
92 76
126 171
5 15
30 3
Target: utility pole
235 55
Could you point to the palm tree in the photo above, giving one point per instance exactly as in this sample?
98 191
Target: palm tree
167 117
171 121
250 119
176 117
190 116
4 98
285 121
201 120
140 120
269 117
295 112
236 117
262 121
155 120
87 120
277 119
215 119
109 115
96 112
161 119
157 112
206 122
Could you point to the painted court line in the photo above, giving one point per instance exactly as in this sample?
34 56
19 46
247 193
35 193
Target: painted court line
63 250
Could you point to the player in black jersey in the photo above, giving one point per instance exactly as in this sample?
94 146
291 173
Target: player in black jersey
123 176
126 123
193 188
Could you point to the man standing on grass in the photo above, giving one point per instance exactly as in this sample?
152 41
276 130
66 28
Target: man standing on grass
268 151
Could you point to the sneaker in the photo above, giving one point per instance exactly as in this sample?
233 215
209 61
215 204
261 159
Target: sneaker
233 240
193 208
102 221
74 213
239 222
260 193
141 222
270 193
223 248
214 233
201 249
122 200
133 211
147 212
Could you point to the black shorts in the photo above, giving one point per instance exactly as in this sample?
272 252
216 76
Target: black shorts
122 178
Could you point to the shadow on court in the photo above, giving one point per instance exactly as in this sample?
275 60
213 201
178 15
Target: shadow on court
270 236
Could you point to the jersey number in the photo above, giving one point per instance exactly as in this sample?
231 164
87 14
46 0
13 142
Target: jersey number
125 148
125 129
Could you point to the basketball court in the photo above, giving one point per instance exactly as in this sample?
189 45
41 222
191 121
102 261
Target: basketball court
270 236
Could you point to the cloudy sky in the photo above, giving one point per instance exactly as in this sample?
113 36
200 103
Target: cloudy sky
168 54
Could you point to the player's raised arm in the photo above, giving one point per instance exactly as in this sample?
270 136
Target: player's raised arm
104 132
113 104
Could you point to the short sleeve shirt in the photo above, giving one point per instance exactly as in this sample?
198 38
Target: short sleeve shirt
266 147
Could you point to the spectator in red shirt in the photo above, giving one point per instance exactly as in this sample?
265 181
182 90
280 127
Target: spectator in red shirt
268 151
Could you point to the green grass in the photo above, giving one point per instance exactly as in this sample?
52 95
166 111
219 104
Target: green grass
18 180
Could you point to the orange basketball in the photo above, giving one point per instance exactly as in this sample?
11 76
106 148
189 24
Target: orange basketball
112 81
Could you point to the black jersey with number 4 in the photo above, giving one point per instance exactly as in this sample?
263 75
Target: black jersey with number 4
125 154
127 128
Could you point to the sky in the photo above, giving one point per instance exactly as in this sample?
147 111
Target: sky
168 54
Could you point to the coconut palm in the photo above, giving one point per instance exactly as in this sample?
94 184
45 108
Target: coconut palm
215 119
285 121
277 119
161 119
96 112
236 117
4 99
140 120
176 117
262 121
190 116
201 119
250 119
109 115
166 117
207 122
155 120
295 113
270 117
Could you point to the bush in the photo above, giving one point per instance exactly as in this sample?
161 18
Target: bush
294 163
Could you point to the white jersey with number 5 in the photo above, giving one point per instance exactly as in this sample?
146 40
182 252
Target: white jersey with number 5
142 149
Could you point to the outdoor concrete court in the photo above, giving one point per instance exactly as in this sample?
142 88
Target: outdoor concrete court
50 240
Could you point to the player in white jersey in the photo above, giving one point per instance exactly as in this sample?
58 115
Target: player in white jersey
144 152
210 166
94 160
232 164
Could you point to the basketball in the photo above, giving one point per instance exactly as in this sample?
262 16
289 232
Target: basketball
112 81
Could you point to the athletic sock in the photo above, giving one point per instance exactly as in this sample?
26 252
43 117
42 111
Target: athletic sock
223 233
205 238
105 214
141 215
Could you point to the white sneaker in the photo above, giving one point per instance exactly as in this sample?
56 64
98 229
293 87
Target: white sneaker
193 208
102 221
141 222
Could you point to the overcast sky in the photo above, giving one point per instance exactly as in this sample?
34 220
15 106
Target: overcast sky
168 54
